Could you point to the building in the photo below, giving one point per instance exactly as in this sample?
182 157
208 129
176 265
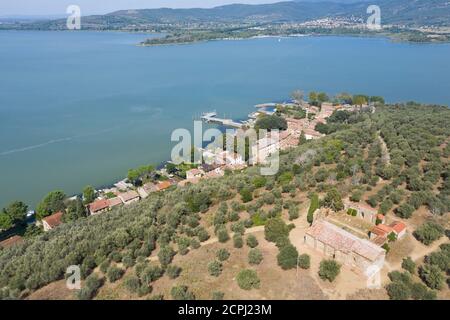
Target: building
147 189
380 230
114 202
346 248
194 173
129 197
311 134
188 181
263 149
11 241
163 185
399 228
363 210
98 206
218 172
52 221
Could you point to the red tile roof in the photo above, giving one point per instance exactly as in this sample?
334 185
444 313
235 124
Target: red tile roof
11 241
129 195
113 202
344 241
99 205
54 220
164 185
397 226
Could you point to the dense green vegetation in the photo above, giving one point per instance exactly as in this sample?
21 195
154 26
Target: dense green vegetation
351 157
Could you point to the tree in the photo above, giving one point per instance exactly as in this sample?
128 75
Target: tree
421 292
165 255
217 295
255 256
429 232
181 293
312 97
237 241
313 207
287 257
304 261
252 242
89 194
432 276
75 210
173 271
333 200
360 100
50 204
271 122
132 283
222 254
16 211
398 291
274 229
440 259
246 195
405 211
5 221
322 97
247 279
409 265
329 270
293 212
114 273
222 235
90 288
171 168
215 268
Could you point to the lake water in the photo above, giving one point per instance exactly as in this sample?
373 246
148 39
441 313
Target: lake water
82 108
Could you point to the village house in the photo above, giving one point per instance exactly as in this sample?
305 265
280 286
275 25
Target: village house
98 206
147 189
311 134
363 210
263 149
399 228
326 110
218 172
194 173
52 221
11 241
123 185
129 197
163 185
333 242
114 202
380 230
379 233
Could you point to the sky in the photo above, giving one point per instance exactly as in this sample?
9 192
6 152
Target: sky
58 7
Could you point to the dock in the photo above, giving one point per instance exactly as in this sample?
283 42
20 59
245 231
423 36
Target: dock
211 117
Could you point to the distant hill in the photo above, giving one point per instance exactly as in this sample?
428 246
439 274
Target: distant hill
402 12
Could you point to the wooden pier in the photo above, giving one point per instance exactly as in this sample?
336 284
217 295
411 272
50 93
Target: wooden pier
211 117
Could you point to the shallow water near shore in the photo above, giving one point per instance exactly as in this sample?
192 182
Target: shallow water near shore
80 108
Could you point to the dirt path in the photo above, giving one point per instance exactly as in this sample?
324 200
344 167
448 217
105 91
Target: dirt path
420 251
386 157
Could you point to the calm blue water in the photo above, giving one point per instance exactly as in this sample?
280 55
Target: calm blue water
82 108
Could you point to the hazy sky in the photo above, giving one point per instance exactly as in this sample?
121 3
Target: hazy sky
58 7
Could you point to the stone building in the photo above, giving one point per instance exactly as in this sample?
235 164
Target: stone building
335 243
